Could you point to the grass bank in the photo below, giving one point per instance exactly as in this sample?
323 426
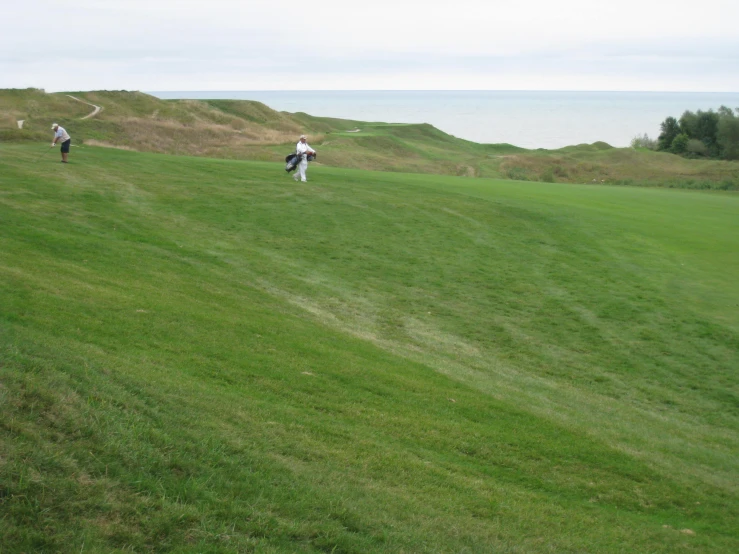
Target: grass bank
200 355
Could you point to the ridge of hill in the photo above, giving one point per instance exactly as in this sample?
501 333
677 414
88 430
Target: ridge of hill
243 129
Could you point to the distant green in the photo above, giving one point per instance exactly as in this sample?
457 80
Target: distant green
201 355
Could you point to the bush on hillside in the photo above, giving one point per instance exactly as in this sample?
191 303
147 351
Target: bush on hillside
696 147
643 141
680 144
713 134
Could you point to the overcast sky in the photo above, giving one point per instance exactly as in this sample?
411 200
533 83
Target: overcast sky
157 45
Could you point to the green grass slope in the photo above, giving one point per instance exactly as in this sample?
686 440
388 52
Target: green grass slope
201 355
236 129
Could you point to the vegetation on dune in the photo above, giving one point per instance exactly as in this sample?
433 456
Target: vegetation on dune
199 355
250 130
701 134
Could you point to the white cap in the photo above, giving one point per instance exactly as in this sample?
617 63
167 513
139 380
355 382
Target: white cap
303 137
54 125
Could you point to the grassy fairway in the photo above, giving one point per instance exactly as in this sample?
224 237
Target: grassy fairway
201 355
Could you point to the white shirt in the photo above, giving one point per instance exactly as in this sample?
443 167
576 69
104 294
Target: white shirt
302 148
61 134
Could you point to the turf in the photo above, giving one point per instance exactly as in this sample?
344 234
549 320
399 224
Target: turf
200 355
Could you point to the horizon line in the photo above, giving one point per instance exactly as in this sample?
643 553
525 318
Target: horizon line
455 90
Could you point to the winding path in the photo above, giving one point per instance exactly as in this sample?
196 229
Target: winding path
96 111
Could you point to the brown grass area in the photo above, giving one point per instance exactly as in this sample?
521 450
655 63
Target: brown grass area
197 138
103 144
9 120
615 165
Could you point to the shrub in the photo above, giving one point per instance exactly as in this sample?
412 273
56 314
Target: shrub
696 147
643 141
548 175
680 143
560 171
518 174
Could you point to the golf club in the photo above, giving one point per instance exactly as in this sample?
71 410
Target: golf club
42 153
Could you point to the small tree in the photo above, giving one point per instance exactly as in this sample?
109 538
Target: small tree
643 141
670 129
689 124
680 144
706 128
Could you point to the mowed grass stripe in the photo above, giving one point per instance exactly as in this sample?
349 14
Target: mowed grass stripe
201 355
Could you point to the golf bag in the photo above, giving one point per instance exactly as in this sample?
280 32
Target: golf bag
292 161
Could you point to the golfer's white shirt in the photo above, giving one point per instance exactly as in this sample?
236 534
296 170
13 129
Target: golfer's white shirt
302 148
61 134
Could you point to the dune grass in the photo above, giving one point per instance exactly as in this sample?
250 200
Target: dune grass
200 355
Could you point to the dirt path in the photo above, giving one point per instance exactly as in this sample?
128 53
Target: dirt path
94 112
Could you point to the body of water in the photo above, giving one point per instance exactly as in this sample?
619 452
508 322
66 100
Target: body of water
531 119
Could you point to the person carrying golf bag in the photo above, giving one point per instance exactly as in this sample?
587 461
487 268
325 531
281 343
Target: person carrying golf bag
304 153
61 135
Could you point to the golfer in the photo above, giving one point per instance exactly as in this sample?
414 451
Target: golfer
302 150
61 135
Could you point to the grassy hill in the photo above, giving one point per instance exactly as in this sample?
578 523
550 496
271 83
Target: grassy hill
200 355
236 129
